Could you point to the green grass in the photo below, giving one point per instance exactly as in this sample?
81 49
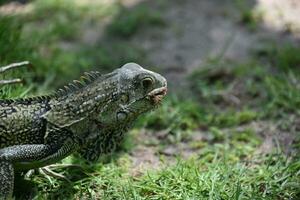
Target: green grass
253 86
216 125
248 16
224 170
130 21
216 180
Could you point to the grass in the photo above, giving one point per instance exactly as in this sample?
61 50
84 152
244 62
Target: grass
216 126
248 16
190 179
267 90
129 22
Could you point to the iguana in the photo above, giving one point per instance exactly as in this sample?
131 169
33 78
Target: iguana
88 116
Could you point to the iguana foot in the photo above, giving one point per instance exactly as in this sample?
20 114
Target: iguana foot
45 171
48 171
10 67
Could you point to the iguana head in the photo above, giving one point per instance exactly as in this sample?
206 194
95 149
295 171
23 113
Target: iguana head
128 92
113 99
138 91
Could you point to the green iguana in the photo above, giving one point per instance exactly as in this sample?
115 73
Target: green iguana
88 116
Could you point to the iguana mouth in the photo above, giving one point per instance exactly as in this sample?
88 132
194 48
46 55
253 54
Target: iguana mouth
157 94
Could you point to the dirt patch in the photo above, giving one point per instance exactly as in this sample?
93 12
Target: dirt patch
274 136
144 158
153 152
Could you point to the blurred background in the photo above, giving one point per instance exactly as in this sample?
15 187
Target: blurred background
230 125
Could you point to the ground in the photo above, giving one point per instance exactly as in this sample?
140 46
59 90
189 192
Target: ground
229 127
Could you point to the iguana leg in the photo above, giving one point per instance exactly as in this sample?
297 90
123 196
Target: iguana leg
28 157
9 67
6 180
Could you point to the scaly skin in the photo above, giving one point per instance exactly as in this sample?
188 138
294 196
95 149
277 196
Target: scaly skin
89 117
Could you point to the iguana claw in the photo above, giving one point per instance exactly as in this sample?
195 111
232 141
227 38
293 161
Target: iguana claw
48 172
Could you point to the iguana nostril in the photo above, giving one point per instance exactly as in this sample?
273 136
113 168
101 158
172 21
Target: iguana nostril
124 98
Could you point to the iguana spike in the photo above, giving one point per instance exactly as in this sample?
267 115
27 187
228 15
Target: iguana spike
72 87
60 92
92 75
87 75
78 83
95 74
66 88
86 79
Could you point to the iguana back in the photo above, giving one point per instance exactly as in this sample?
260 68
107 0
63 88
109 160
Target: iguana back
21 121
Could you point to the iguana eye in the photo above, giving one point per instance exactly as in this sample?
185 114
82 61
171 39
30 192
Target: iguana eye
147 82
124 98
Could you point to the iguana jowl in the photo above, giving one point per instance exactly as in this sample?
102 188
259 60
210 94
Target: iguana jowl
87 116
